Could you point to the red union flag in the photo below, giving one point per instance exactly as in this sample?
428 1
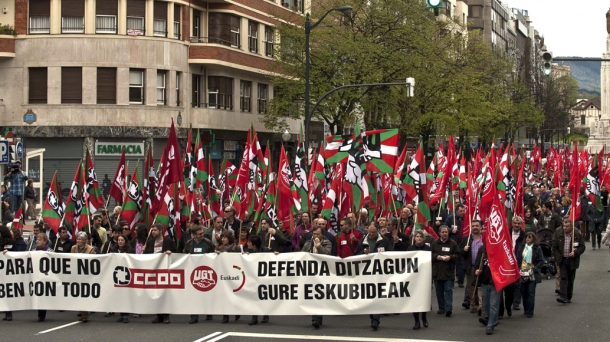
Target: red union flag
498 243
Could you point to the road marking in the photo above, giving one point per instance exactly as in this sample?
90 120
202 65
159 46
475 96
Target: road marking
57 328
209 336
326 338
219 337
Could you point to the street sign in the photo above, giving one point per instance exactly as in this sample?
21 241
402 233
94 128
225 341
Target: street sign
19 149
4 152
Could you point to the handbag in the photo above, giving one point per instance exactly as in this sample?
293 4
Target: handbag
527 275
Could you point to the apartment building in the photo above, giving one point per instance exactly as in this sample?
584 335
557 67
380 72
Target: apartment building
82 74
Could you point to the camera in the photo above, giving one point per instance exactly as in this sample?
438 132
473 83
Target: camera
14 167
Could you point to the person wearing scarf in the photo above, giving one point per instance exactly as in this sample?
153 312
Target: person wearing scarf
529 257
419 245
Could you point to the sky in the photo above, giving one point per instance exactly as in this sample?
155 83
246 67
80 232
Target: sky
569 27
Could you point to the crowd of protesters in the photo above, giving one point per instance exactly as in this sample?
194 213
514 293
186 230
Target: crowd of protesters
455 258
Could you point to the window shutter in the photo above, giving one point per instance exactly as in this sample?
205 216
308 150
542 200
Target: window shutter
40 8
160 10
106 85
220 28
177 13
136 8
253 28
71 85
38 85
106 7
73 8
214 83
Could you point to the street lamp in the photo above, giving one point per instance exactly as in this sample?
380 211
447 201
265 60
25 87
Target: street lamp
286 136
308 27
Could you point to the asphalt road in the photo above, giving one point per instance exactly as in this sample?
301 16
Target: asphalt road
582 320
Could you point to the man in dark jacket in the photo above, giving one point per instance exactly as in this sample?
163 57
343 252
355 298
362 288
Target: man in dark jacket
213 233
64 243
568 244
438 216
550 219
273 239
512 292
198 245
455 222
444 253
400 241
491 297
469 249
373 242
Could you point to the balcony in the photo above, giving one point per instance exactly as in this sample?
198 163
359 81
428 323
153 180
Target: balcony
7 46
201 51
105 24
73 25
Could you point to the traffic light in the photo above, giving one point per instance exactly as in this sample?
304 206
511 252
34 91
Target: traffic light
547 57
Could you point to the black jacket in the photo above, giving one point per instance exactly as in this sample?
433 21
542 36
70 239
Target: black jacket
382 245
557 247
275 243
404 241
485 276
554 223
459 222
443 270
467 255
63 247
423 247
168 245
537 259
188 246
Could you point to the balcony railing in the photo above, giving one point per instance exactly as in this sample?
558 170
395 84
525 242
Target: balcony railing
73 25
135 26
160 28
213 40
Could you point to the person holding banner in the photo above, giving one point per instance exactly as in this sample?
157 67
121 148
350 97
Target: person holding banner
321 222
122 246
567 246
400 241
348 239
373 242
7 243
19 244
83 247
213 233
273 239
445 252
300 231
139 241
156 244
319 244
64 243
419 244
199 245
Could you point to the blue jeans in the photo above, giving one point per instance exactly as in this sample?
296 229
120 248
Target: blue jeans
16 201
444 294
491 303
528 291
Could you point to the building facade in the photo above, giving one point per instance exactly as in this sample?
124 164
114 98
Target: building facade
114 72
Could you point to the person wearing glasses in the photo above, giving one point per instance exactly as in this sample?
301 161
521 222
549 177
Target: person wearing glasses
230 222
530 260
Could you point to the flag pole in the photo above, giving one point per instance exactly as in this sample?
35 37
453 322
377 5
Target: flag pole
107 201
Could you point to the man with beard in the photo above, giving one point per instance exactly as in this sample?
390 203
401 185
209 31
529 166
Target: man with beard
469 249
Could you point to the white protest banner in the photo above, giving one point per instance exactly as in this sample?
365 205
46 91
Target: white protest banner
229 283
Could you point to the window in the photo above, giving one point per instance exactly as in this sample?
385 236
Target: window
40 13
177 21
161 87
224 29
38 85
136 14
262 98
178 78
106 85
269 41
105 16
253 36
136 86
196 24
582 120
245 93
160 23
73 16
474 11
71 85
220 92
196 95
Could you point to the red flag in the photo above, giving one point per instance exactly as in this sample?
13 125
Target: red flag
496 236
447 173
116 189
519 209
285 195
18 221
94 197
574 185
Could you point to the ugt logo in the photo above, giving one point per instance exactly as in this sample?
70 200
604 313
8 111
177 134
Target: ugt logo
204 278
